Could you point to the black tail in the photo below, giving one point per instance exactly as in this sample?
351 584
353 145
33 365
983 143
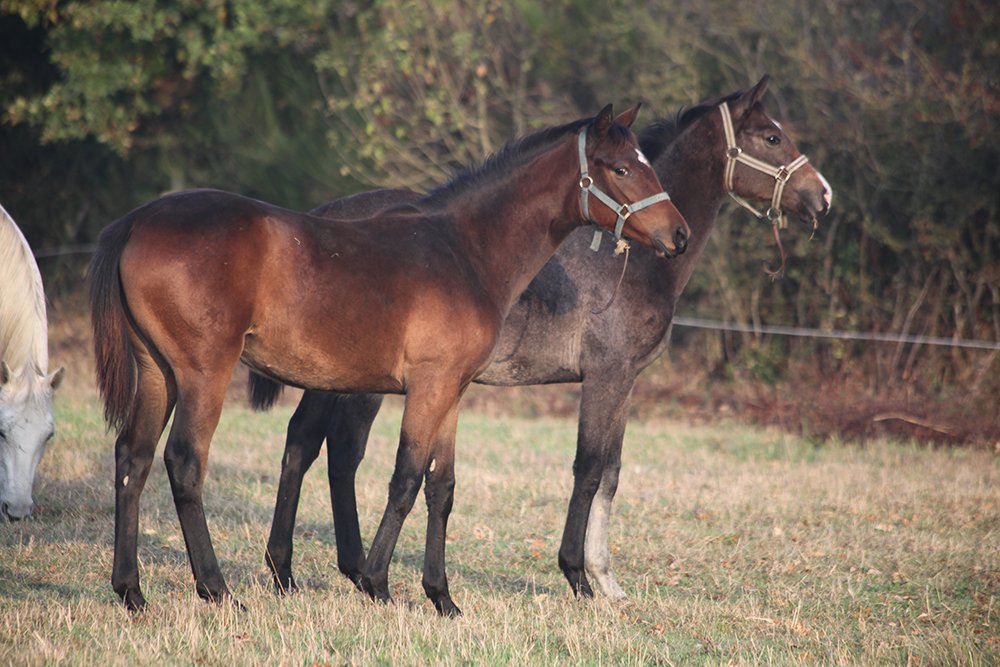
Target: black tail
262 391
116 365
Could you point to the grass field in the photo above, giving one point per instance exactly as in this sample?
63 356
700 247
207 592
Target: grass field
736 546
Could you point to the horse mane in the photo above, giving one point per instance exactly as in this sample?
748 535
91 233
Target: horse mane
513 154
23 328
655 137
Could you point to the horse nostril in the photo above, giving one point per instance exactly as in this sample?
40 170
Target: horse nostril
681 239
15 512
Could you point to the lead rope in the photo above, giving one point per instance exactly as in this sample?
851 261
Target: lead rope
622 246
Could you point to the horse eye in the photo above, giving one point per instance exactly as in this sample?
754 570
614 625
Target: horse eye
774 140
621 171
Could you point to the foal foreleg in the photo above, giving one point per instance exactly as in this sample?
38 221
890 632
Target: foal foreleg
303 441
426 409
603 408
440 494
348 427
596 555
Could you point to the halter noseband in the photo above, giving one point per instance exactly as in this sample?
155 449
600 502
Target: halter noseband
623 210
780 174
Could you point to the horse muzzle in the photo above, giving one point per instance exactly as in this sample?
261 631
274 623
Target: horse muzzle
15 511
674 246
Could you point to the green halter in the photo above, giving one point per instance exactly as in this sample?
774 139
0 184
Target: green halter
623 210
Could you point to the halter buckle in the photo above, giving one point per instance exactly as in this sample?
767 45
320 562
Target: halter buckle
782 174
624 211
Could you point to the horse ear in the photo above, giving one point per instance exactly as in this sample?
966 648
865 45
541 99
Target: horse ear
603 121
757 92
55 379
628 116
5 373
745 102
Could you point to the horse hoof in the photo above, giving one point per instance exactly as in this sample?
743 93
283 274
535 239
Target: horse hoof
445 607
583 590
354 576
285 586
134 601
379 592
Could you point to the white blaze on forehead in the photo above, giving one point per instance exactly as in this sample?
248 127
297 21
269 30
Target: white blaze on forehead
642 158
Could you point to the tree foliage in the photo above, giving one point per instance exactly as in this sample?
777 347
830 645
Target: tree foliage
109 102
421 88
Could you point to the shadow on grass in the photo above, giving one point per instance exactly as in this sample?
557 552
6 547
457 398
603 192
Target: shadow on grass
18 586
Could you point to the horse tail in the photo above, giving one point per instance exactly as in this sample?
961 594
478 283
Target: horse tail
263 392
113 352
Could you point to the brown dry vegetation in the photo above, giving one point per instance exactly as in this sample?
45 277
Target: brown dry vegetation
683 385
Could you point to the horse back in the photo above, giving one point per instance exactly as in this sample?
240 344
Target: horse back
325 304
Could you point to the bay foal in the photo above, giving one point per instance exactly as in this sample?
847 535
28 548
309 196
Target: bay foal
411 302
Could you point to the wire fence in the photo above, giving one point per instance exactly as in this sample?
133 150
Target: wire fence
806 332
718 325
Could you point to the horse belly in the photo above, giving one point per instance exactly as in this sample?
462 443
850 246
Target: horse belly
540 350
308 357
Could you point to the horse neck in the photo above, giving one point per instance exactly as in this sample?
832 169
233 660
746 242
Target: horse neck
510 230
23 329
691 170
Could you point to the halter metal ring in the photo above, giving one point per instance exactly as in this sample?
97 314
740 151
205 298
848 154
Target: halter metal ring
782 174
624 211
586 182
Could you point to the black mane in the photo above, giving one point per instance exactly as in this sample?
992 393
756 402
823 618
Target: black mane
512 155
655 137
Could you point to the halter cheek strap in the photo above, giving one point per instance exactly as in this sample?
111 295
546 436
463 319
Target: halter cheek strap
587 187
780 174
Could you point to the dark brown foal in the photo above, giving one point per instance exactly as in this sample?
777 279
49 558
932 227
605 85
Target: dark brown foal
564 303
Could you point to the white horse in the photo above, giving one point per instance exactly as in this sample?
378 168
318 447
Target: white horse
25 386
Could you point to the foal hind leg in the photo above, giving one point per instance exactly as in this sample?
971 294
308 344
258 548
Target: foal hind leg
603 412
302 444
134 450
347 438
199 405
440 495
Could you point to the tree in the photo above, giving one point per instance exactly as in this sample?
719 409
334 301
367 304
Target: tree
418 89
182 94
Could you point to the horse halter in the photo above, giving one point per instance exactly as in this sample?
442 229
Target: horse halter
587 187
780 174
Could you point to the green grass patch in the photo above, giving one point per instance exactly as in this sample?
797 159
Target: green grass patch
735 545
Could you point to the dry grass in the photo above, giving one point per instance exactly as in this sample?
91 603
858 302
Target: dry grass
736 545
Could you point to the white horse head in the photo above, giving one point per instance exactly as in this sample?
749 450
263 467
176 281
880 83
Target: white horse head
25 429
26 387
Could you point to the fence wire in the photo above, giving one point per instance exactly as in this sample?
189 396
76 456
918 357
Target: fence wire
806 332
717 325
